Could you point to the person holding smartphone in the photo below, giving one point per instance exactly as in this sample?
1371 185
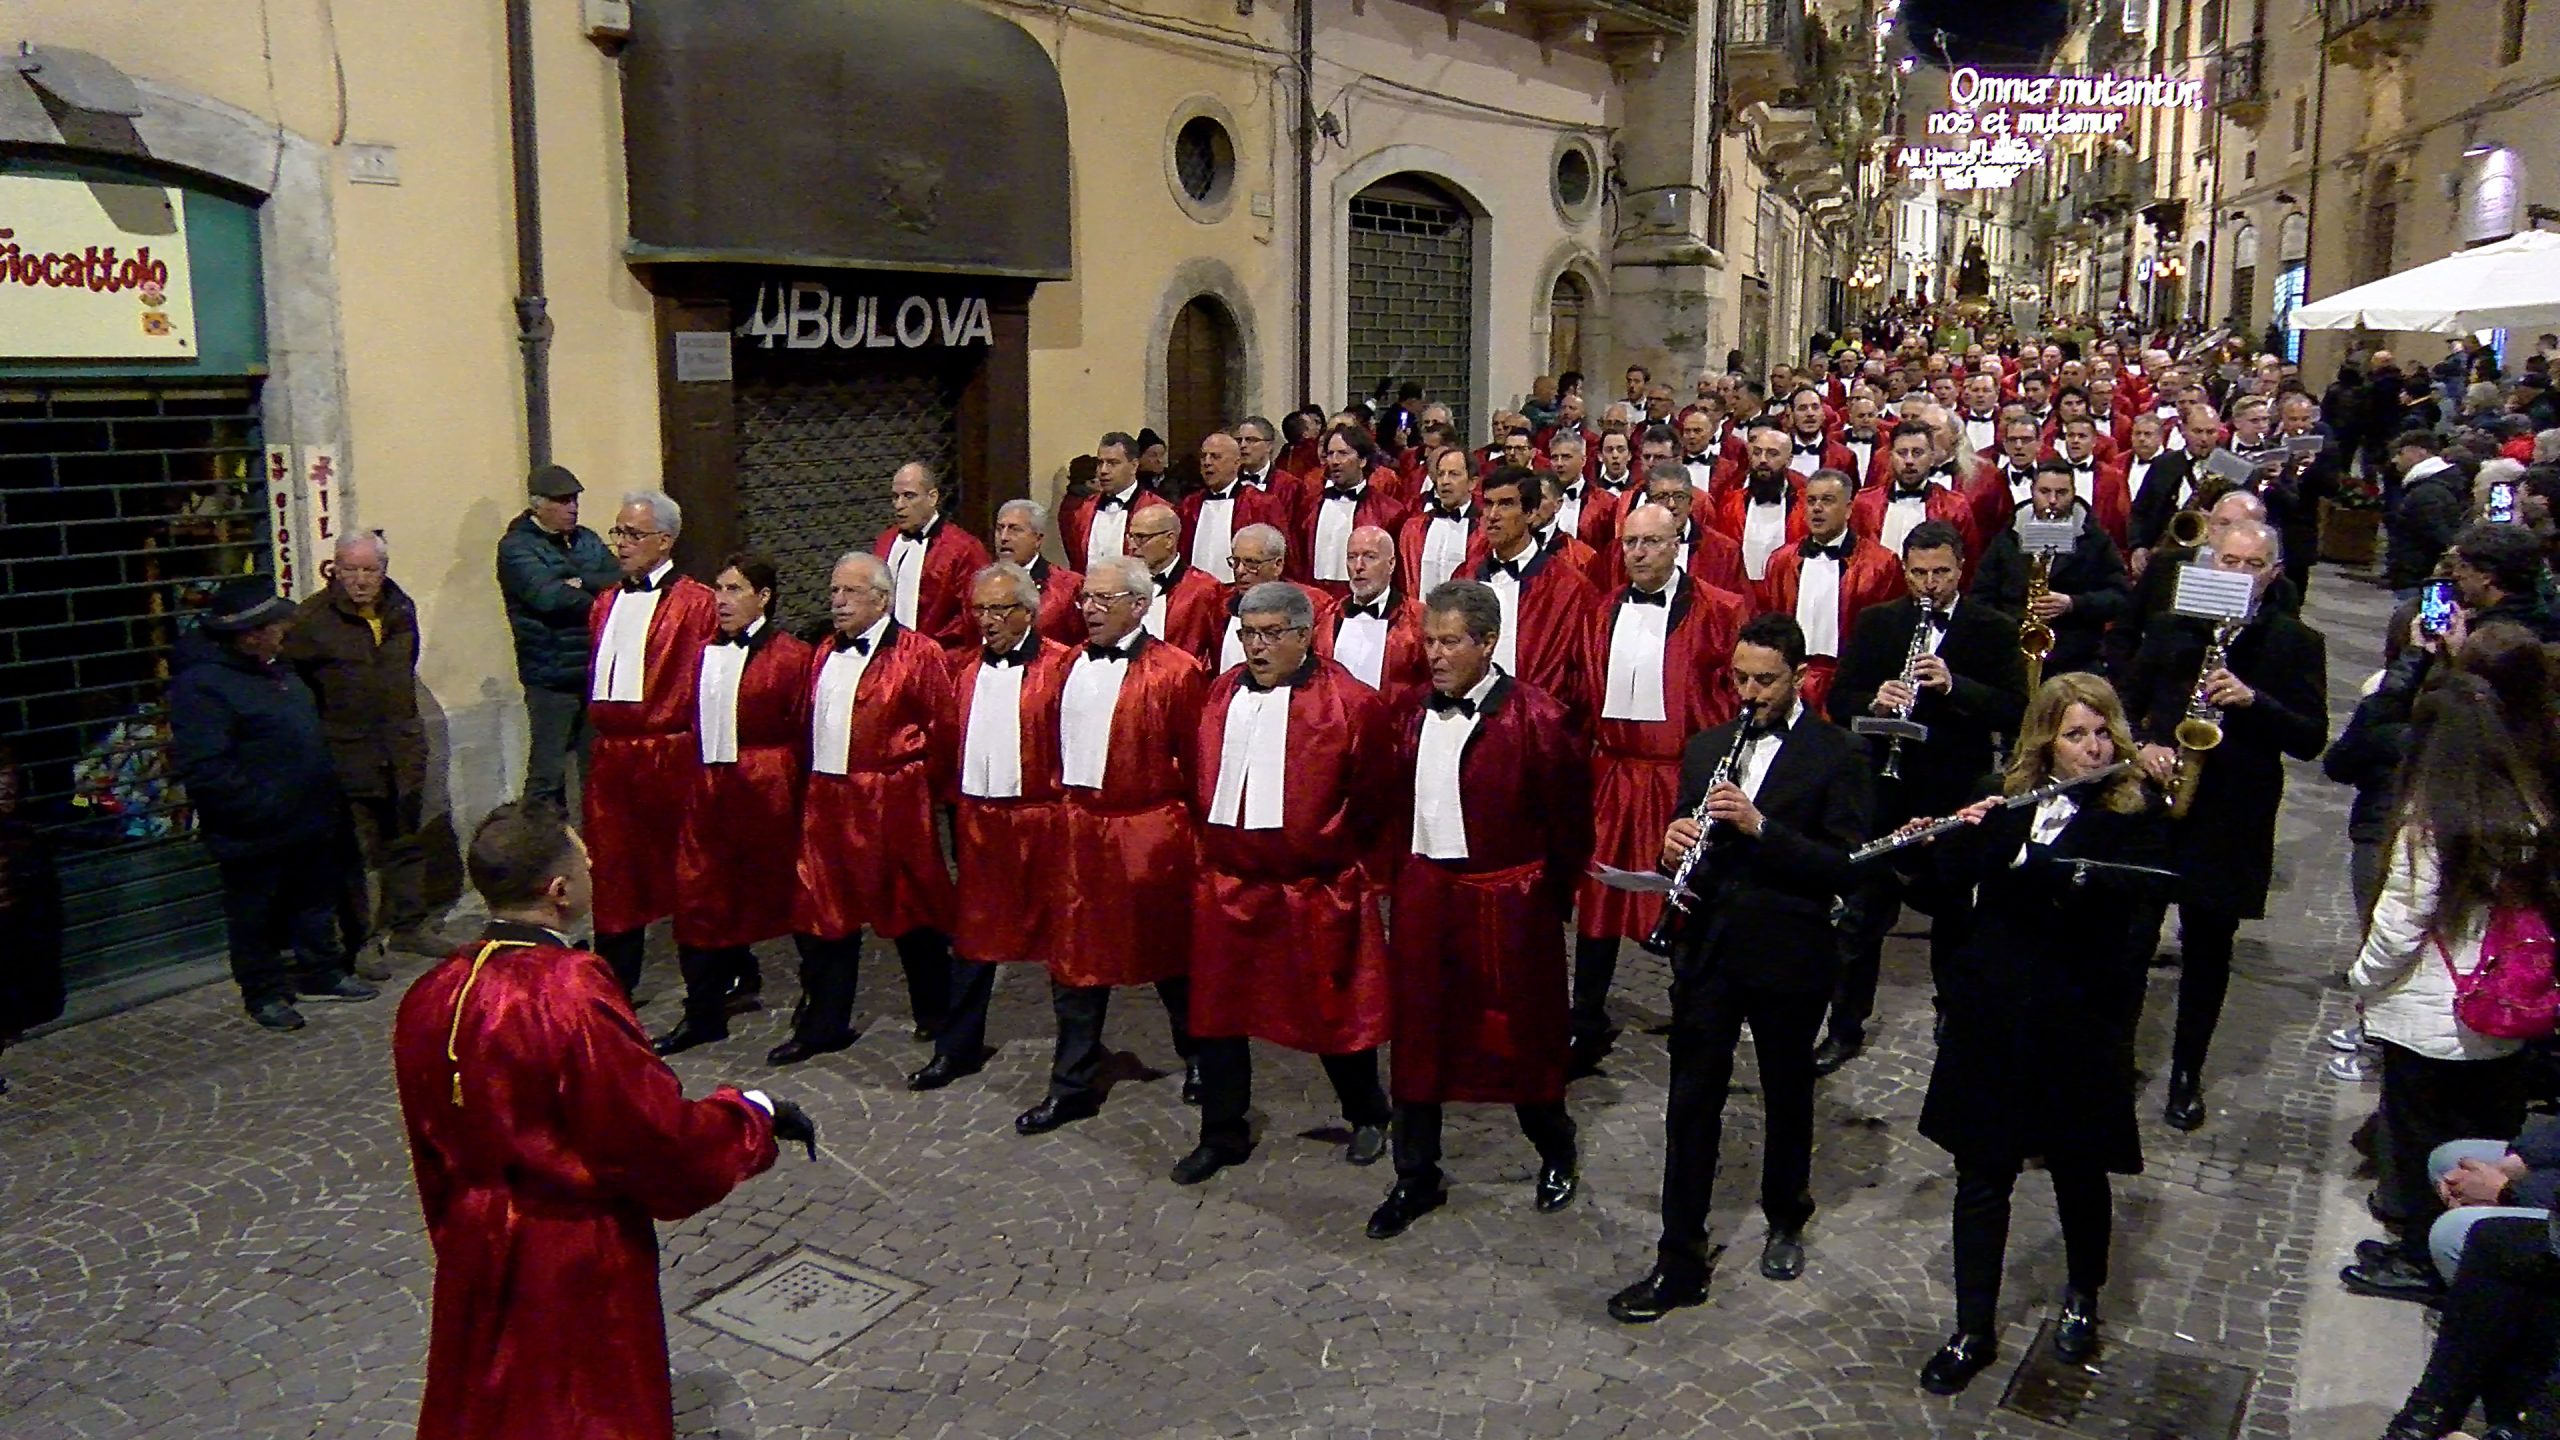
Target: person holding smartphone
2496 574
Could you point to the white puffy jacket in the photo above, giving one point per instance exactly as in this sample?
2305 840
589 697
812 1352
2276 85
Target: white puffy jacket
2401 975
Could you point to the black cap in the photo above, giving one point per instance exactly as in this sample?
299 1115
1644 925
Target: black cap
1149 437
245 604
554 482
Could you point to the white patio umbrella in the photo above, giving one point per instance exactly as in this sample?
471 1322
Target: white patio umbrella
2510 284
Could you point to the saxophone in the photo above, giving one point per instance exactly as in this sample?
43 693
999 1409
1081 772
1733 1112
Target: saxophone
1676 905
2200 730
2035 638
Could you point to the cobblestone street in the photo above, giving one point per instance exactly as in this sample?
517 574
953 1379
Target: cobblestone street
209 1231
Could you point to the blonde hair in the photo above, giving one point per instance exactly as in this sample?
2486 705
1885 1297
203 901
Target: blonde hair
2031 764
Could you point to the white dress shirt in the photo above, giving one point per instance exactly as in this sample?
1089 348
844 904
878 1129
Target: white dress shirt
1165 579
1981 434
1439 806
715 698
2084 480
1109 534
622 654
1360 646
1764 529
1805 462
1253 760
1865 450
2053 812
1938 633
1336 518
2137 473
1753 771
831 716
1636 636
906 573
1901 514
1506 593
1444 547
1084 719
1569 507
1213 534
1818 604
991 749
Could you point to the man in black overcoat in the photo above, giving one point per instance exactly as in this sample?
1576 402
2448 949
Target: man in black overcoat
1758 949
2273 697
1967 685
2086 588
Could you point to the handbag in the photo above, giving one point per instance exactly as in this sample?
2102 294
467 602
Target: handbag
2513 994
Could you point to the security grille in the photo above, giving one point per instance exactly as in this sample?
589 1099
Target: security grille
818 438
1413 293
120 512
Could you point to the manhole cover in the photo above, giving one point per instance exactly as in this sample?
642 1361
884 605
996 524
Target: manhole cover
2129 1393
805 1304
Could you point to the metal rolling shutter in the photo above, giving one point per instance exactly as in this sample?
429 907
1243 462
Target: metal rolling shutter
1412 294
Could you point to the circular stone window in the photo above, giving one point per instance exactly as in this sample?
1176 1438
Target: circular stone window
1203 165
1576 179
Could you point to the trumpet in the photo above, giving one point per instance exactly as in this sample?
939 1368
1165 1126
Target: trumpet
1677 904
1899 726
2035 637
2190 527
2200 729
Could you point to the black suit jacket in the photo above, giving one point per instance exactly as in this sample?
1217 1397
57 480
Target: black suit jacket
1763 910
1986 700
2091 573
2157 500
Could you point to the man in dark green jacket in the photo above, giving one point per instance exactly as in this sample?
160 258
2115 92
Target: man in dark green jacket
551 571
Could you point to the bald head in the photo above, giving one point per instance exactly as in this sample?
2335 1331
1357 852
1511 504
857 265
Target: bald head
1370 558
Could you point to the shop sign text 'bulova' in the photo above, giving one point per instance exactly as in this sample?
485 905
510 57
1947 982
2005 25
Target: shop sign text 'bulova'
809 315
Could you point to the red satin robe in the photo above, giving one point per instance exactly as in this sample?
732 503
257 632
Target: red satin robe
2112 501
1834 456
1002 916
1410 535
1288 943
1120 897
643 755
1195 614
1075 517
1061 612
1597 527
1558 613
1866 514
952 557
1870 576
1715 558
1404 673
1635 764
1379 505
741 830
1248 507
1476 964
868 854
540 1183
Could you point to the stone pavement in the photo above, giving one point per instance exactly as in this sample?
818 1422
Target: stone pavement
207 1231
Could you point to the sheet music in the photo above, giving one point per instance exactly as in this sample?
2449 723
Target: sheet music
1639 882
2209 594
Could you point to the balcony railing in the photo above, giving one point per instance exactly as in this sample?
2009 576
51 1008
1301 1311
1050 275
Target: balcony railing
2340 18
1765 24
2238 75
1769 51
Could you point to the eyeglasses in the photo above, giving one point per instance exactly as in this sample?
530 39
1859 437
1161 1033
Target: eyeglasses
1140 537
1256 566
1250 636
1104 600
1648 542
620 533
996 612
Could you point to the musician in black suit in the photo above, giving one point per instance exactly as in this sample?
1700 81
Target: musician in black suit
1757 949
2085 587
2161 483
1967 685
2038 1057
2273 693
2316 478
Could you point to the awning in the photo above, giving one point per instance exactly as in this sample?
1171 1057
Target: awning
876 134
2512 284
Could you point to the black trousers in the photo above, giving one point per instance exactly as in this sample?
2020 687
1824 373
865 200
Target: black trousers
970 987
1708 1012
1417 1138
2424 1104
2204 977
382 836
1981 1239
280 904
1595 969
1871 915
557 720
710 974
626 951
1075 1074
831 974
1226 1091
2495 1338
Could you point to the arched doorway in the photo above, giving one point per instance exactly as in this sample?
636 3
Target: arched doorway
1411 292
1200 368
2244 280
2293 253
1566 306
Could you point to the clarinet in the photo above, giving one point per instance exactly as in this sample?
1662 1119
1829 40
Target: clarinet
1676 905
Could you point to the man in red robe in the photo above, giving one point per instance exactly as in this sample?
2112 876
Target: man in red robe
1710 556
1004 819
1764 514
1350 498
1120 876
1825 579
1096 524
930 560
1549 611
640 706
2097 482
1665 646
1497 790
1223 507
545 1138
879 711
1022 527
1586 511
1189 609
741 829
1810 434
1885 513
1288 943
1376 630
1446 534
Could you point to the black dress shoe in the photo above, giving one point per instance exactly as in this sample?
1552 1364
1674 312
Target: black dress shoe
341 986
1203 1162
1190 1082
1404 1204
795 1050
685 1036
1836 1051
1966 1354
1557 1185
1653 1297
2397 1278
2075 1333
1368 1145
939 1071
1782 1257
2423 1420
276 1015
2185 1110
1587 1051
744 999
1048 1115
2375 1252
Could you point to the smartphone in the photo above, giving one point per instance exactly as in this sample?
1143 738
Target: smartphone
2437 607
2502 502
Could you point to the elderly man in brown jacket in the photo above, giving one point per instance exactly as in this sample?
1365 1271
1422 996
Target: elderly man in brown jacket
356 645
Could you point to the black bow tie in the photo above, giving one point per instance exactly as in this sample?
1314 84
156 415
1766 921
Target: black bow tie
1219 497
1661 597
1109 652
741 639
1916 492
1438 511
1809 447
639 585
1697 459
1516 569
1344 492
1812 549
858 644
1452 704
1979 419
1373 610
1936 618
1117 502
